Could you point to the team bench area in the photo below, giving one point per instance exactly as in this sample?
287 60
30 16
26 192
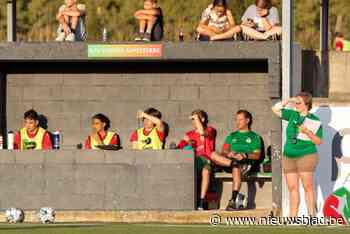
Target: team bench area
70 82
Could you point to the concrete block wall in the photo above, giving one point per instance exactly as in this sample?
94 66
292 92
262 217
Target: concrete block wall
339 68
334 86
97 180
69 100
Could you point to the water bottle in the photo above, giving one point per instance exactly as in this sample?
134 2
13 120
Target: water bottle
56 140
10 140
104 35
181 36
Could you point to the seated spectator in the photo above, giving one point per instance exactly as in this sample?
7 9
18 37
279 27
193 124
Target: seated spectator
341 44
151 136
261 21
71 18
150 20
217 23
100 135
32 136
202 140
241 149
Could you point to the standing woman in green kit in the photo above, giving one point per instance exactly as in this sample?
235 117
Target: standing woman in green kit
300 158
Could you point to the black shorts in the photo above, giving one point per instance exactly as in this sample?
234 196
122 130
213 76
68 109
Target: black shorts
157 31
253 163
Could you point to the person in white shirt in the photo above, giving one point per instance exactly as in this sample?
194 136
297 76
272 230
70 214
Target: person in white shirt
217 22
71 17
261 21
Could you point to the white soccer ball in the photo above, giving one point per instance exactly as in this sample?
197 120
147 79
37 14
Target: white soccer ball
14 215
47 215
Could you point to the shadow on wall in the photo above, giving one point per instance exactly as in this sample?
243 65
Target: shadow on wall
315 77
334 167
43 121
325 177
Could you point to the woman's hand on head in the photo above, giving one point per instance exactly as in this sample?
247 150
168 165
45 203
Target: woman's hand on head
140 114
290 101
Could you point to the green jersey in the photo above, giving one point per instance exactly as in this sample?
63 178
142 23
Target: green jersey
295 145
243 142
346 45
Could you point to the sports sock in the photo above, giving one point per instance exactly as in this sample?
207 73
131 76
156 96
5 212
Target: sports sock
234 195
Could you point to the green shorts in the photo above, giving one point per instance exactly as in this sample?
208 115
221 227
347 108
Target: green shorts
202 162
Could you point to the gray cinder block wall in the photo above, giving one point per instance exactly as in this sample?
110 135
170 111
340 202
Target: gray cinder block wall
69 100
97 180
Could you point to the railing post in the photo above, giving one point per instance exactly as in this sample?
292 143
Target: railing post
287 76
3 97
11 21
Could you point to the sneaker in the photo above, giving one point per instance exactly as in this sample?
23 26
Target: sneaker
147 37
61 36
70 37
200 205
245 168
231 205
139 37
240 201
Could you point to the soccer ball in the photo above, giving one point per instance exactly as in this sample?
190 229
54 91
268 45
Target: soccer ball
14 215
47 215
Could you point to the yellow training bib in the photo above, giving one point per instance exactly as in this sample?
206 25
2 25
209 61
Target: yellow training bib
35 143
150 142
106 141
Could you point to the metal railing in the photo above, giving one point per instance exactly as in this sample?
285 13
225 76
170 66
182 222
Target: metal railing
11 20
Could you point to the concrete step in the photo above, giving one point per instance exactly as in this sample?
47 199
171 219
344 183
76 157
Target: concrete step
166 217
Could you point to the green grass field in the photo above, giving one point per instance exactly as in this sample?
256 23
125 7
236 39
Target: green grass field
160 229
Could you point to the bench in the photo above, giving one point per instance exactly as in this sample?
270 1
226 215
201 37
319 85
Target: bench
259 177
260 196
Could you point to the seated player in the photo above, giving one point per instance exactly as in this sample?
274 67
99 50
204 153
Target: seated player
217 22
240 150
261 21
32 136
150 20
100 135
71 17
202 140
151 136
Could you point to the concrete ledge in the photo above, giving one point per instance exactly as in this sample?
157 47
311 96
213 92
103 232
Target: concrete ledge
53 51
342 101
97 180
167 217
